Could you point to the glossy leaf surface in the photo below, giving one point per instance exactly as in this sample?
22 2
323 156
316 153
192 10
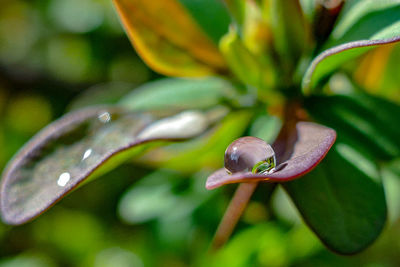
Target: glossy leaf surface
366 19
361 26
178 94
367 122
342 200
329 60
206 149
82 144
211 15
311 143
168 38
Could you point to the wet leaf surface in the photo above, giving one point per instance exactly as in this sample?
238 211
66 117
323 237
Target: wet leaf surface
82 144
206 149
311 143
342 200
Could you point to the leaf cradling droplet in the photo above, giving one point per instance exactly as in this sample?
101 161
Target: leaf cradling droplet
312 143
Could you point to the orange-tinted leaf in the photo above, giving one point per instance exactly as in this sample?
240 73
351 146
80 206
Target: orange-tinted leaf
168 39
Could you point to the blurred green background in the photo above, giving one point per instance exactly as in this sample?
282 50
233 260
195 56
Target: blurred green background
56 55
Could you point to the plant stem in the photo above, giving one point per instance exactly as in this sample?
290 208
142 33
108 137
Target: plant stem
233 213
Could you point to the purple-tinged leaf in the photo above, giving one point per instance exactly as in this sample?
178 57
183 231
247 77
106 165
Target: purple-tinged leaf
311 143
361 26
329 60
80 145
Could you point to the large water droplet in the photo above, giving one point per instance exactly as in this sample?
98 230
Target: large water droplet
63 179
249 154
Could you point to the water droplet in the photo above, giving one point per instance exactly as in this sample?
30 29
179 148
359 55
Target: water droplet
87 153
265 166
104 117
63 179
249 154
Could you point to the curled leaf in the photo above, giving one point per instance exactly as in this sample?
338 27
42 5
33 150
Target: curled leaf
329 60
312 143
80 145
361 26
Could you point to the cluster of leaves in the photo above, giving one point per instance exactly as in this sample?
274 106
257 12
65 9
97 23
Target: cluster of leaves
270 63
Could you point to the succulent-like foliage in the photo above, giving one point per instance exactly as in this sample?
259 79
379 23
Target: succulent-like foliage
271 61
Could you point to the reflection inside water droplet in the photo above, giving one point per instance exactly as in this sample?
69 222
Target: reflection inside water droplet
63 179
104 117
87 153
265 166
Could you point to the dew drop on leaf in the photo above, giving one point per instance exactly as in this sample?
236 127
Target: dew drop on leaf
104 117
87 154
249 154
63 179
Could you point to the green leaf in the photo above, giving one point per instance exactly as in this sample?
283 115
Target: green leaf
149 199
369 123
342 200
237 9
266 244
308 7
289 29
391 179
241 61
211 15
266 127
331 59
101 94
366 20
82 145
162 195
179 94
168 39
202 152
361 26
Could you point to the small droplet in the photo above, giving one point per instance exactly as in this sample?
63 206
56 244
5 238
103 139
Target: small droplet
104 117
63 179
87 153
249 154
